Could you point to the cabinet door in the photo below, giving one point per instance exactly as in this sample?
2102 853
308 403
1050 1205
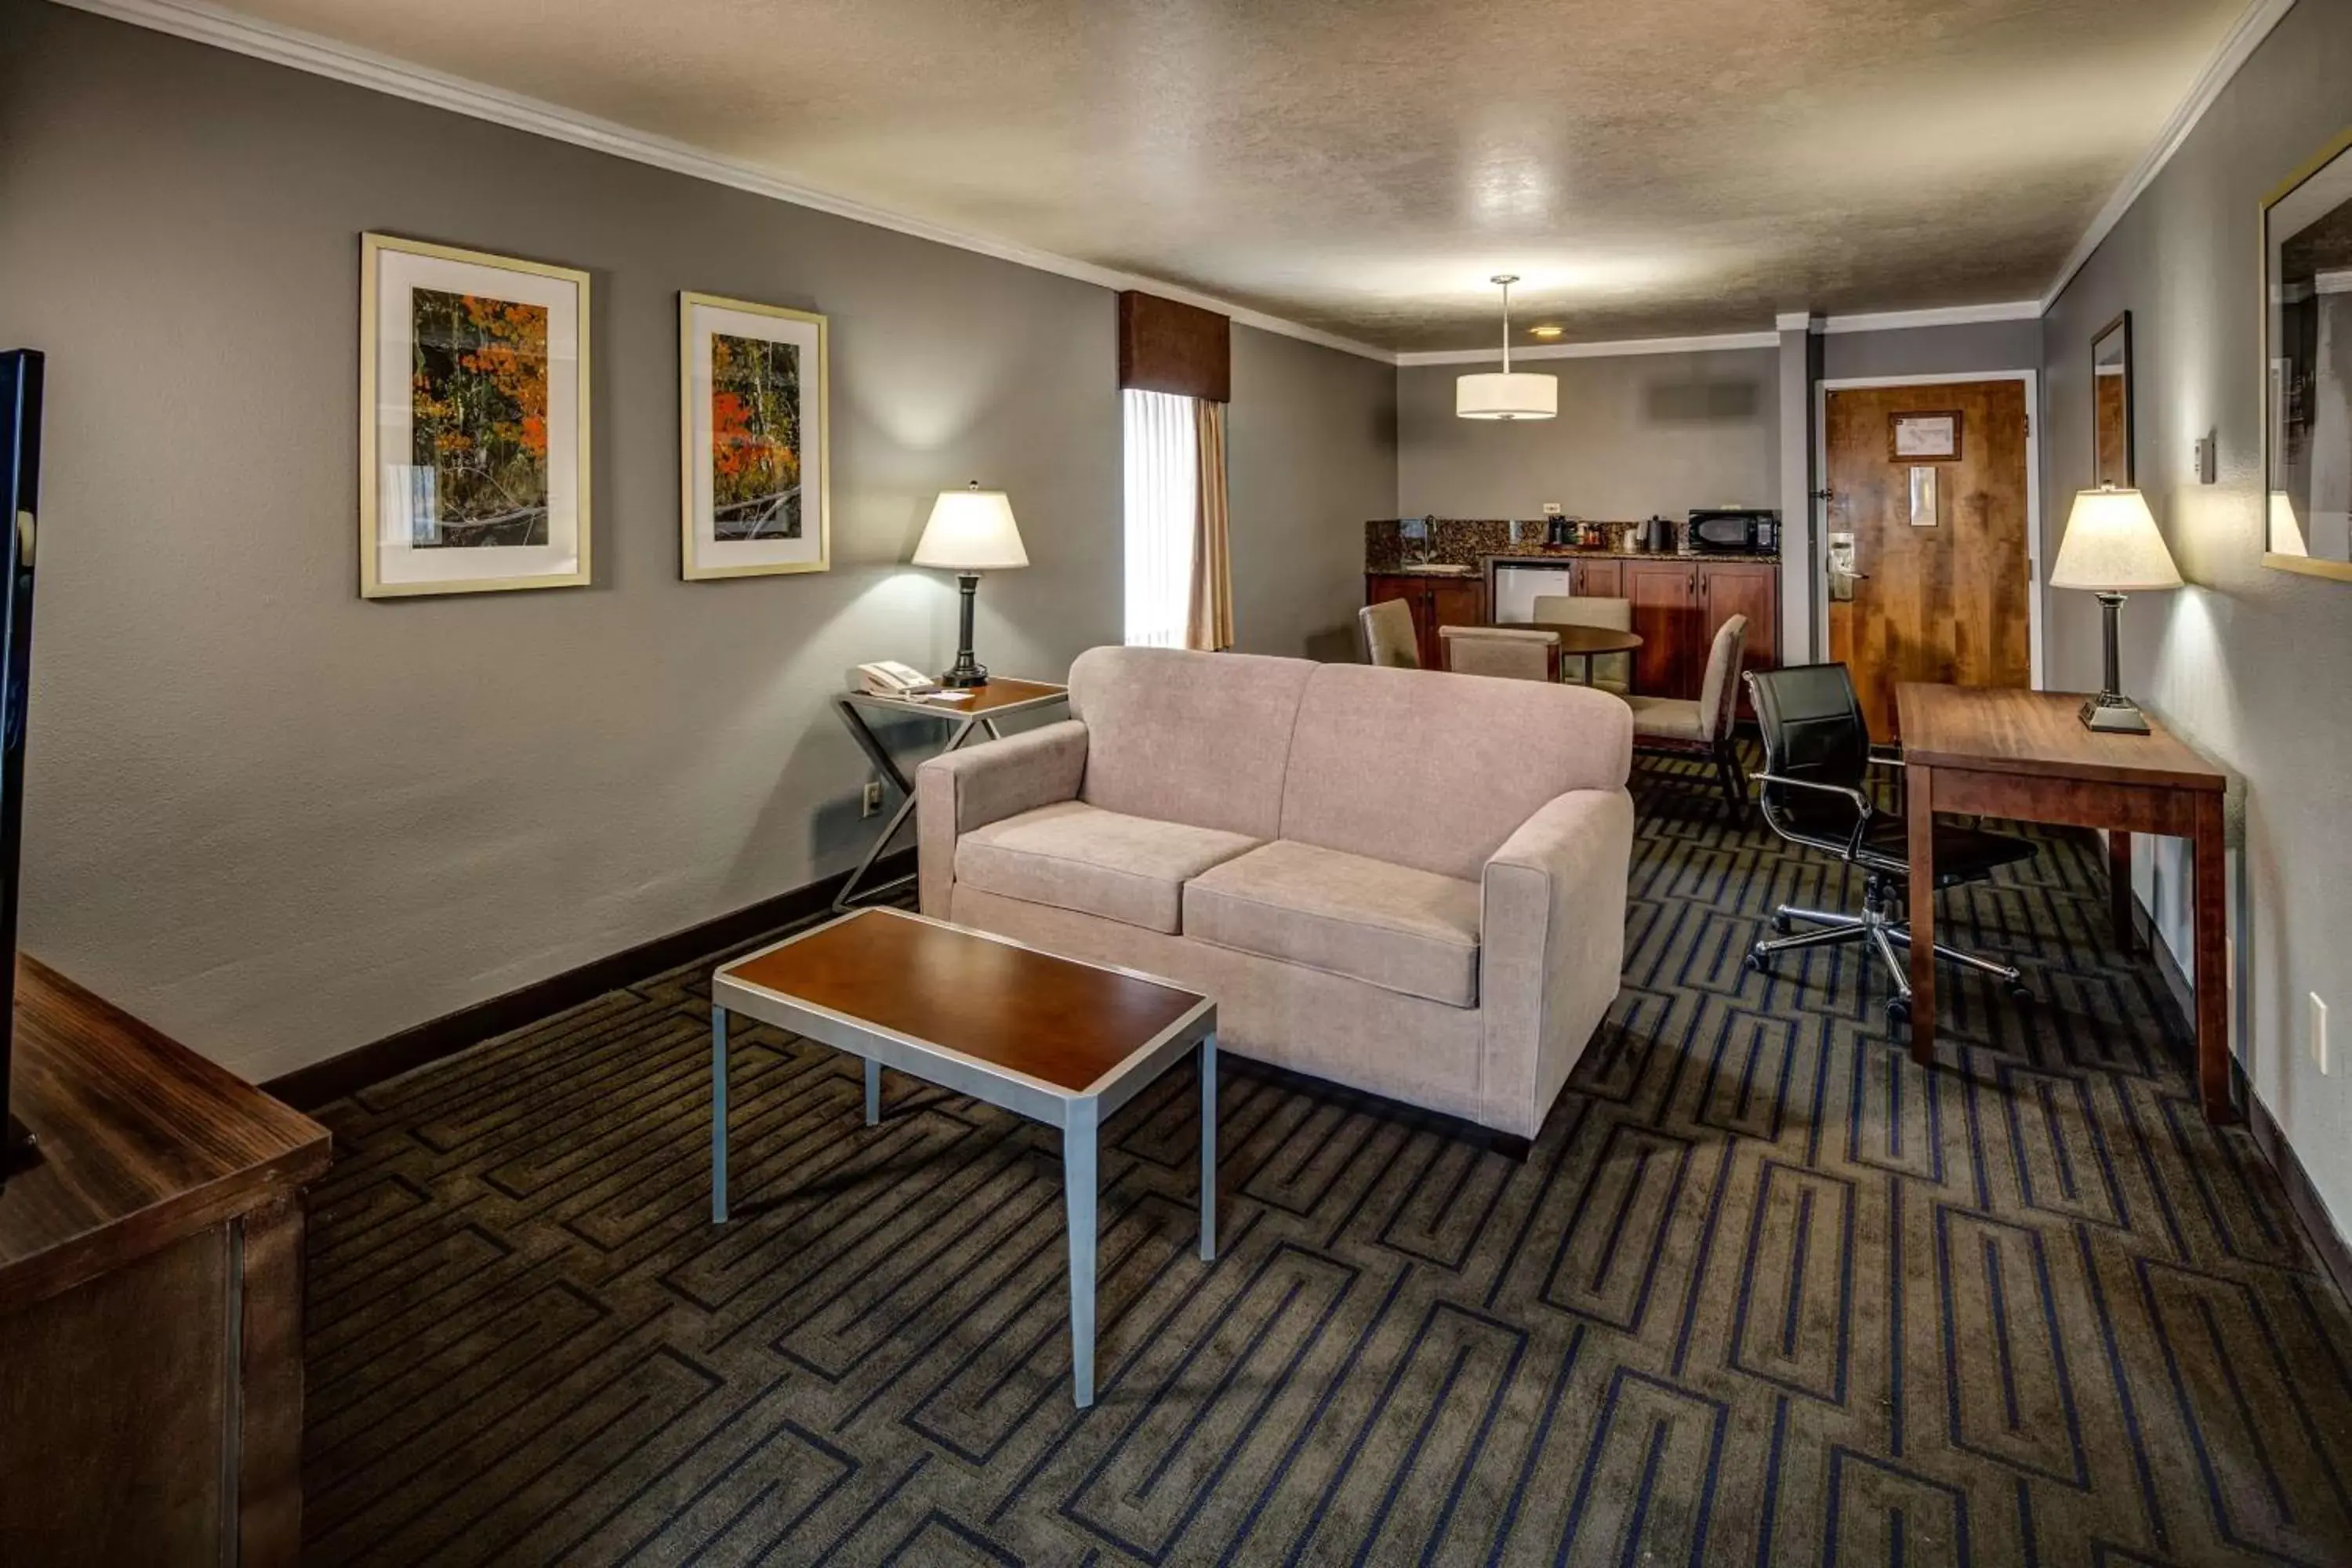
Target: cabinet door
1452 602
1665 595
1601 579
1750 588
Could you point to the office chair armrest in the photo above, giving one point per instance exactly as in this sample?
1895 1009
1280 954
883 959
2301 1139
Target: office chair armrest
1886 756
1860 801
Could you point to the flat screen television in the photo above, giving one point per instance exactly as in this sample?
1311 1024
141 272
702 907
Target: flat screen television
20 486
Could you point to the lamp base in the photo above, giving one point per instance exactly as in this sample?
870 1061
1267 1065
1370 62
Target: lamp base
967 673
2114 715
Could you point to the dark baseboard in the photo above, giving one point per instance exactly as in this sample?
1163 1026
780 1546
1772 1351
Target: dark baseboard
2302 1196
307 1089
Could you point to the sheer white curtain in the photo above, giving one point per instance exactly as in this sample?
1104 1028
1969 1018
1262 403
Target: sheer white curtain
1162 477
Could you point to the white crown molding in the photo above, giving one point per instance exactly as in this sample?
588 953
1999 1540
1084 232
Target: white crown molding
1947 316
1596 351
381 73
2253 25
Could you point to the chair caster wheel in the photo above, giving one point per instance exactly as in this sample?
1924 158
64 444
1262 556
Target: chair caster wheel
1898 1013
2020 992
1781 924
1755 962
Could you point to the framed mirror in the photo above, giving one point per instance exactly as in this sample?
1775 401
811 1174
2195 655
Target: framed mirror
2111 404
2308 366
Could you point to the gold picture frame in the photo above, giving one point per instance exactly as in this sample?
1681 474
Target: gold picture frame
2289 397
516 332
745 405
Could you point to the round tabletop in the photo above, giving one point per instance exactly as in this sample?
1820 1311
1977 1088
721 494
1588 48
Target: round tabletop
1577 641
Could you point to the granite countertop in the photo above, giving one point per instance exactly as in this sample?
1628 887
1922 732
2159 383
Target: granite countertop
1546 554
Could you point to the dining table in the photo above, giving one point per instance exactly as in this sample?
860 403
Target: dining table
1576 640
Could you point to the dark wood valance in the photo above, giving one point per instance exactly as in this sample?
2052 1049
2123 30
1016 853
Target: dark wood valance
1167 346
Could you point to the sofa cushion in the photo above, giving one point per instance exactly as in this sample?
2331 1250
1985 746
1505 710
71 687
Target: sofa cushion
1073 856
1202 738
1385 924
1435 772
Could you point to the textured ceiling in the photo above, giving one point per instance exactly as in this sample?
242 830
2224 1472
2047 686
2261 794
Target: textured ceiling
1652 167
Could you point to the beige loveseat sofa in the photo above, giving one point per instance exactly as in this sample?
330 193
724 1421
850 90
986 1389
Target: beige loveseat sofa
1406 881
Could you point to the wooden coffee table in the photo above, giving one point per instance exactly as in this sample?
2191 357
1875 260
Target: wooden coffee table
1050 1039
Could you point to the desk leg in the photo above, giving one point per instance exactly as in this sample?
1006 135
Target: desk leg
1208 1150
1919 790
717 1115
2119 891
1079 1182
269 1343
2212 941
873 1092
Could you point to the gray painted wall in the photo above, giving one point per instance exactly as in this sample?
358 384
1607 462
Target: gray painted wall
1636 434
1310 454
281 822
1932 351
2247 663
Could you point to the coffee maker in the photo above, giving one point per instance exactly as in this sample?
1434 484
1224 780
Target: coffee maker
1557 531
1658 536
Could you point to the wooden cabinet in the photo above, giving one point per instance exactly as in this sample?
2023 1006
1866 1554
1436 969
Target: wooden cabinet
1599 579
1665 595
1435 601
151 1299
1679 605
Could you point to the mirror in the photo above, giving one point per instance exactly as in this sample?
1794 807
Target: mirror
2111 409
2307 361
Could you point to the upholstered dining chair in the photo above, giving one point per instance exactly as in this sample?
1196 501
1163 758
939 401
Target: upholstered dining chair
1611 672
1388 634
1507 651
1679 727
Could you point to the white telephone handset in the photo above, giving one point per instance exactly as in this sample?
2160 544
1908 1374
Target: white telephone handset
890 679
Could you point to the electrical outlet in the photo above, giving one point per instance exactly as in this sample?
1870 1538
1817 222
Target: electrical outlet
2319 1033
872 802
1551 509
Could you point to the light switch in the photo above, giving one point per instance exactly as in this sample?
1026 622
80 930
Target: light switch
2204 457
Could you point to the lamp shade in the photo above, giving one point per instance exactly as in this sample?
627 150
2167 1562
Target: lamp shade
971 530
1510 394
2112 545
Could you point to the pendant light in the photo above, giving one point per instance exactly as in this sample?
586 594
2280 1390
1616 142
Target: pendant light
1510 395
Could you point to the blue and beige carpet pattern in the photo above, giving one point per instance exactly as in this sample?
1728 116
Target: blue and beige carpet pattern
1763 1294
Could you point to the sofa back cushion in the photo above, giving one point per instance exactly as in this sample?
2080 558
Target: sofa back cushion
1198 738
1435 770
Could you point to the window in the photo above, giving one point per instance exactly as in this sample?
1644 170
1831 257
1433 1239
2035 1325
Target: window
1162 479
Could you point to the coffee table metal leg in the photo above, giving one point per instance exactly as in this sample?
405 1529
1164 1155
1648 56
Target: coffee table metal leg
1208 1149
717 1115
1079 1178
873 1092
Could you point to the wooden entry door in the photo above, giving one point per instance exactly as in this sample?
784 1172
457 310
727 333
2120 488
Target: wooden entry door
1946 602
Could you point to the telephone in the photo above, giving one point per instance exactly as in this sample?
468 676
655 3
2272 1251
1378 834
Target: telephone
891 678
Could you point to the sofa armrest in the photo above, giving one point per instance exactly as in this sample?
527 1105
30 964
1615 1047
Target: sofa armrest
979 784
1552 943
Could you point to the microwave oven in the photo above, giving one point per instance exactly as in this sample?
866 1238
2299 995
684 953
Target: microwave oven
1735 531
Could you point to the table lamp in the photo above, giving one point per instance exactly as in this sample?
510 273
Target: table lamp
971 531
2111 548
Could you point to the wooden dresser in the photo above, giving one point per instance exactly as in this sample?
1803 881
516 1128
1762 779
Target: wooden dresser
151 1299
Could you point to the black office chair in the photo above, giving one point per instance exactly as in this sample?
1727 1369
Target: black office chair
1817 757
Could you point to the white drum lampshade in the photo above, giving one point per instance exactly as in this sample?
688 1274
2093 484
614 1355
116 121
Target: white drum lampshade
1505 394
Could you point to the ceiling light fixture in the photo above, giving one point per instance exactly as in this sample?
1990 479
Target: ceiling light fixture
1509 395
1545 331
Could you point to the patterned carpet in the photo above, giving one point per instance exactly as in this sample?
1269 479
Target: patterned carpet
1764 1293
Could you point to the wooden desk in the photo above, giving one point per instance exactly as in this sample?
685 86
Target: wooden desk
150 1298
2025 755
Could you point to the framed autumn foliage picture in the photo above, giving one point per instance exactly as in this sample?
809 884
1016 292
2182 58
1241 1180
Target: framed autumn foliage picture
752 428
473 421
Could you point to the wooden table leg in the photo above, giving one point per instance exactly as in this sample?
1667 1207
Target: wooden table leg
2212 943
2119 891
269 1442
1919 790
